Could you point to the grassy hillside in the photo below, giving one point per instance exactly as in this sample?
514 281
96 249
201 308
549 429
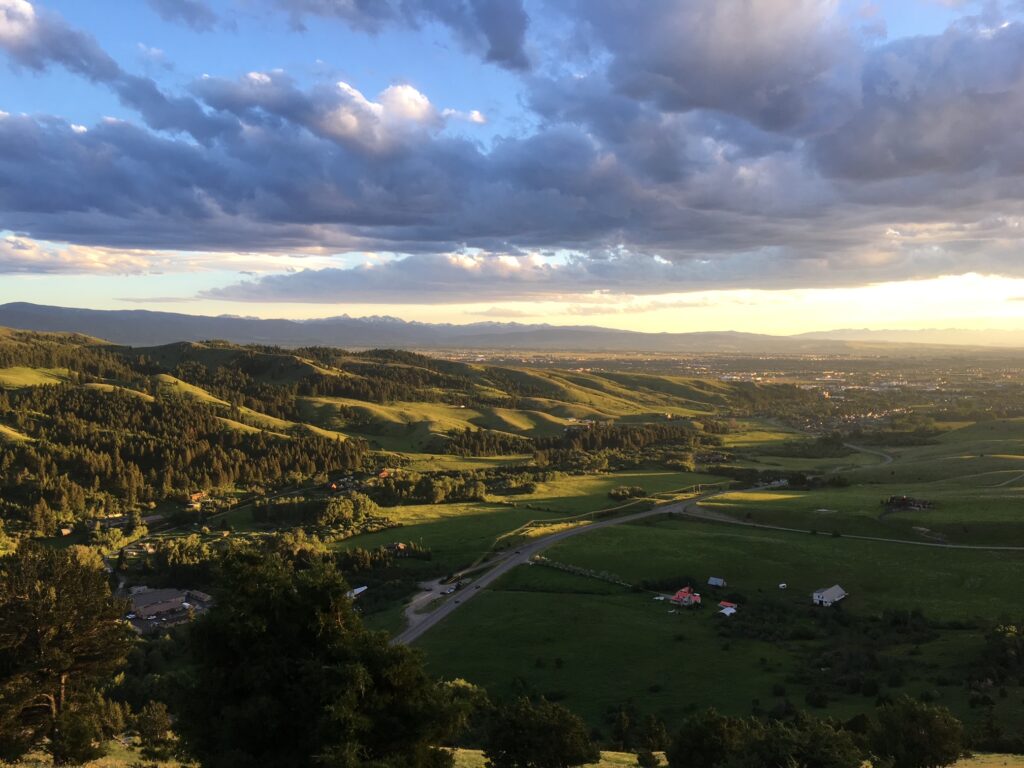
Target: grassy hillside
23 376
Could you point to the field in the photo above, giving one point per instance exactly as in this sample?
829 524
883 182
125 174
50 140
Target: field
15 377
991 516
595 645
972 473
460 534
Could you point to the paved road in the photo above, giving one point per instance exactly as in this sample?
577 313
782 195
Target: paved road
521 556
420 623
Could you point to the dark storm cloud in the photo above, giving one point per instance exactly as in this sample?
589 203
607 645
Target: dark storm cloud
723 153
951 104
193 13
783 65
494 29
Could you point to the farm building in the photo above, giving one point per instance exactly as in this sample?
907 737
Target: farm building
727 611
716 582
156 608
828 596
686 597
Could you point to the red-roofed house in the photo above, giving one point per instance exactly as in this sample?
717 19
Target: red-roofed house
685 597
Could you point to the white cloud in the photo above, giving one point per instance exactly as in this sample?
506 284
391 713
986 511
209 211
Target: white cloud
17 21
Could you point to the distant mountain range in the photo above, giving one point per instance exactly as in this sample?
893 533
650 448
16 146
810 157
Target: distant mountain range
147 328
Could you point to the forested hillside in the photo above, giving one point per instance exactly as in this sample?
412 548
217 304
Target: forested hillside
90 431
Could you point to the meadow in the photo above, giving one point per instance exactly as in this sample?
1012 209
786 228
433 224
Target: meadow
594 645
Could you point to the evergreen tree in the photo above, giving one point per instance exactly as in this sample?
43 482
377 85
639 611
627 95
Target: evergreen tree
61 639
286 675
527 734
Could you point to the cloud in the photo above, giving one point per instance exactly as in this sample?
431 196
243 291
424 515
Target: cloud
781 64
949 104
23 256
505 312
193 13
494 29
35 39
802 157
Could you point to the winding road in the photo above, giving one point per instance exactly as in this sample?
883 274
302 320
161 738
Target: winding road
419 623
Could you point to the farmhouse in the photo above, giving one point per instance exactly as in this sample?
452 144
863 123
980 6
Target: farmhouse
686 597
828 596
716 582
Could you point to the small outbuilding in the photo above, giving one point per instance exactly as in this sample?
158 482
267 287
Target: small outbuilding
828 596
716 582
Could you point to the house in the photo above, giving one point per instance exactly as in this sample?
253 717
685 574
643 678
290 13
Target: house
686 598
154 609
196 496
716 582
828 596
147 603
727 604
398 549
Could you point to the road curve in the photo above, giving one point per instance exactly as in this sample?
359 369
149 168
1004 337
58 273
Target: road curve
520 556
886 457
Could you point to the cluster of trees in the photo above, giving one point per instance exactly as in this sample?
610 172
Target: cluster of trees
85 361
627 437
902 734
623 492
282 672
347 513
433 488
408 487
486 442
96 453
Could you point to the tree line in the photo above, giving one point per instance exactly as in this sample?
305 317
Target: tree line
282 672
95 453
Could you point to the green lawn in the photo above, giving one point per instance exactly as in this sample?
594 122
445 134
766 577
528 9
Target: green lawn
619 646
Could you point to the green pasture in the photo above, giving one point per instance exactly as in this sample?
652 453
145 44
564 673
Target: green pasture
594 645
990 516
577 494
945 583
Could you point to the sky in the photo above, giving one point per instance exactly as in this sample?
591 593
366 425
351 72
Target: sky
661 165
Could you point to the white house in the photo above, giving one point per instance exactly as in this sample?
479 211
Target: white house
827 596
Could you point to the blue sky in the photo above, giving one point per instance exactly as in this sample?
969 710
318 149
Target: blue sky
635 163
